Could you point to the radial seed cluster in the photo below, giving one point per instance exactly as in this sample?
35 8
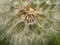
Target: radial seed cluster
29 22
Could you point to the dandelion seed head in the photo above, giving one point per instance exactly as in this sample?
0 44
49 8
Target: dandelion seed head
28 22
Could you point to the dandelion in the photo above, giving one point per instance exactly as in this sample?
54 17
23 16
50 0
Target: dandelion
29 22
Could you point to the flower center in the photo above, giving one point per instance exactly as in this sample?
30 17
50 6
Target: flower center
28 13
